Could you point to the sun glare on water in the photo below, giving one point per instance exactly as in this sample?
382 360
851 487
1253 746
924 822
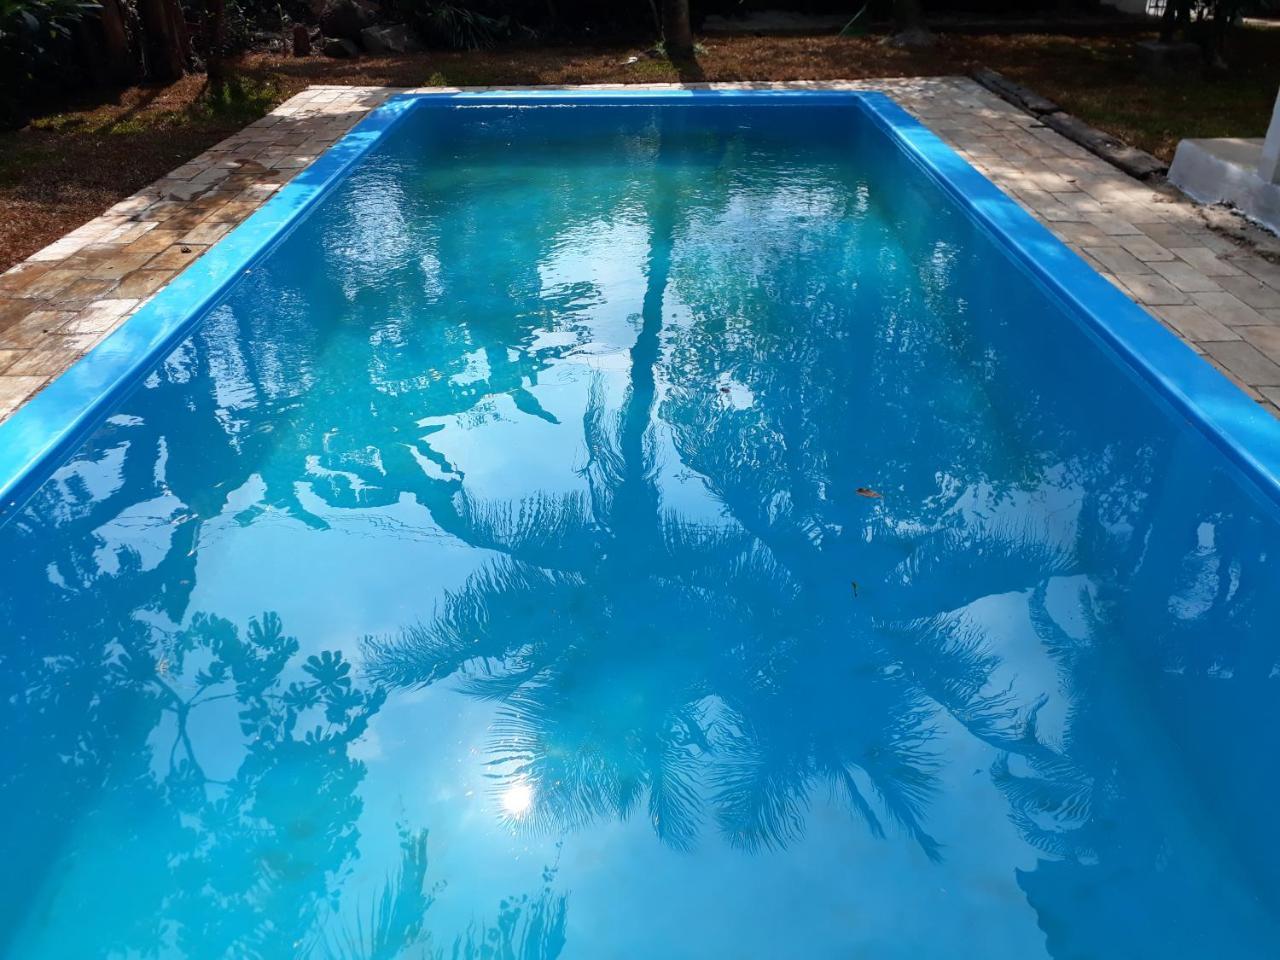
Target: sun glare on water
517 799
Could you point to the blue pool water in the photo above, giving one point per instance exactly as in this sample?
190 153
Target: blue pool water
640 532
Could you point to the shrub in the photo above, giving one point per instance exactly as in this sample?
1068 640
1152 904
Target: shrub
35 35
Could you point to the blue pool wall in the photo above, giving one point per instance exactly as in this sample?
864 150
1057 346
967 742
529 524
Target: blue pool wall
43 432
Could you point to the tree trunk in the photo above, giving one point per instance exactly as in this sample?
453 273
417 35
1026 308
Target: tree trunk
118 56
677 32
215 30
102 46
166 42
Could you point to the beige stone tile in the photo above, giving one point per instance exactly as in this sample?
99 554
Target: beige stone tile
143 283
162 238
234 212
1166 235
29 331
1266 338
177 256
1207 262
46 284
82 291
116 265
132 205
162 210
14 309
1228 308
1151 289
46 361
127 233
206 233
15 281
1251 392
7 357
1246 362
1144 248
1111 225
15 390
1259 269
1194 324
101 315
258 192
59 249
1184 276
1085 234
1200 237
1253 292
1117 260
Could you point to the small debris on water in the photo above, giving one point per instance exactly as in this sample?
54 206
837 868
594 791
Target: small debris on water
853 584
869 493
724 389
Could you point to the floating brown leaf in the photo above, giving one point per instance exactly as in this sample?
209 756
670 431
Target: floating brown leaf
868 492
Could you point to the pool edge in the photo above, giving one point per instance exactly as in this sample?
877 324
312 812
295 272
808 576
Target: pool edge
61 415
1217 408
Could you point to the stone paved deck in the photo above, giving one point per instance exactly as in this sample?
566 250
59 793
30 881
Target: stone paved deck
1218 296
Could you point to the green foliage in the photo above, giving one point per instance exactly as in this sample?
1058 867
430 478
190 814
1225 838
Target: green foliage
32 23
31 31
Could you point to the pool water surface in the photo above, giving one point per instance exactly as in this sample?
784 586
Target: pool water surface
655 531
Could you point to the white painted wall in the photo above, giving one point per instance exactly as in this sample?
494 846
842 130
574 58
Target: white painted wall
1269 164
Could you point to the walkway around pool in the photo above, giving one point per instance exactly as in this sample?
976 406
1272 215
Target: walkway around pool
1218 296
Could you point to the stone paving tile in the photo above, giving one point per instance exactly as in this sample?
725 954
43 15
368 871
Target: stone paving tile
1266 339
1246 362
1194 324
1223 300
1184 276
1229 308
142 283
1145 248
1152 290
1117 259
1253 292
1206 261
31 330
1263 270
14 391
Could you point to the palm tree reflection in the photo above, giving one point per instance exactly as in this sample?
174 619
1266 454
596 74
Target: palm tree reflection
643 659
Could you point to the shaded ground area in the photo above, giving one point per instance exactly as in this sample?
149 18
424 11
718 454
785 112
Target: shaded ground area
70 165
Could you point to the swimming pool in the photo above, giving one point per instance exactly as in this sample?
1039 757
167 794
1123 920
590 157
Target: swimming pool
612 525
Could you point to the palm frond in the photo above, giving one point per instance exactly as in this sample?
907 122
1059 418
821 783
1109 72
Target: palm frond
950 569
394 919
760 794
485 625
949 659
545 530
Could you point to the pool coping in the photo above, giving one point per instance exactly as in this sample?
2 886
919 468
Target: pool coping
45 429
